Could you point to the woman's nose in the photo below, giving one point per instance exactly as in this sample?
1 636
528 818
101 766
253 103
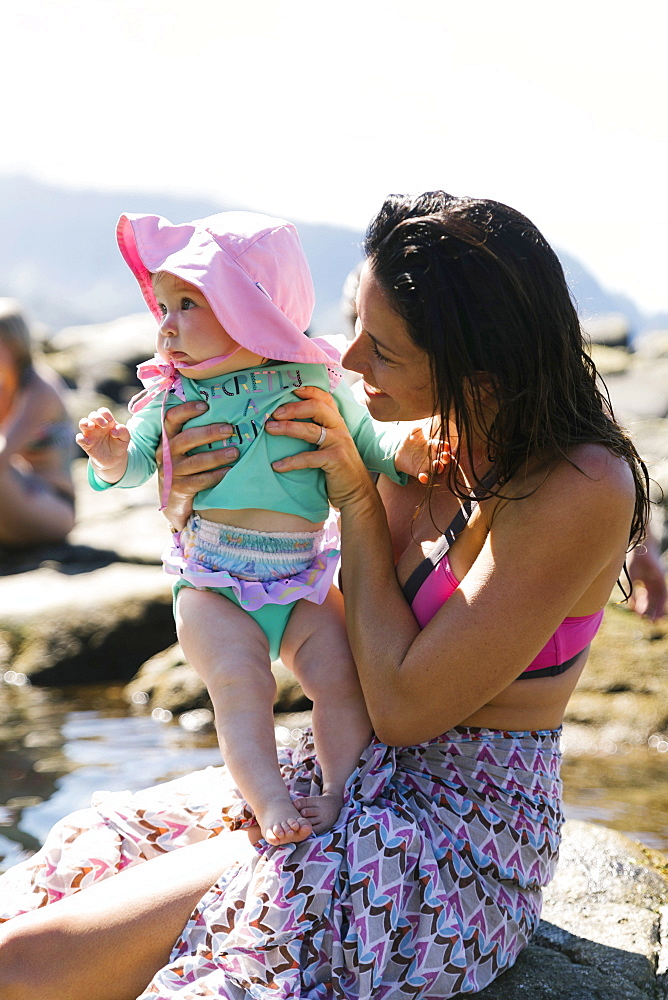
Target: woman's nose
353 357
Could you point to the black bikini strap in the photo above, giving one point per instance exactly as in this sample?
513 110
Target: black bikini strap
460 520
438 551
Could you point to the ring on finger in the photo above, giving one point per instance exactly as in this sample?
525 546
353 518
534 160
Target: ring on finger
321 439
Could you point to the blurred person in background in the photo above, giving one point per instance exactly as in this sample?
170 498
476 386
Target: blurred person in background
36 441
648 577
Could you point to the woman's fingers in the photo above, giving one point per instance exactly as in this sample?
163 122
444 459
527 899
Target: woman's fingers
315 419
192 472
315 404
183 439
304 430
177 416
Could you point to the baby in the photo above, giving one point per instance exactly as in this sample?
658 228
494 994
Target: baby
254 565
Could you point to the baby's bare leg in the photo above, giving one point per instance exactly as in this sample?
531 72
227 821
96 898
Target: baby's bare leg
315 646
230 652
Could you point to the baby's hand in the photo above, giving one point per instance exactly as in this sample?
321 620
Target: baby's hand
105 441
420 451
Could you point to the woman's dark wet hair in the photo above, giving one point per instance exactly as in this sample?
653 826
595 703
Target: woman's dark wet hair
484 295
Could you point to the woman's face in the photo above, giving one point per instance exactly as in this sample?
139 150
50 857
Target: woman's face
396 375
9 381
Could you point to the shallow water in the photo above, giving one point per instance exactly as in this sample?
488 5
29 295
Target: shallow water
57 748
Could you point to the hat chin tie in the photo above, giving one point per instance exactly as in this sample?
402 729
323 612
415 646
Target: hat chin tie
160 376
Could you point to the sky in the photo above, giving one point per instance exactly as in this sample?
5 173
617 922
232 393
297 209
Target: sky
315 111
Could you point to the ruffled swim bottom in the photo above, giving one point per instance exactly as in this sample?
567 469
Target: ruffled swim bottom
260 567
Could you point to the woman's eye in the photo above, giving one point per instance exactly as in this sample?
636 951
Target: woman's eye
381 357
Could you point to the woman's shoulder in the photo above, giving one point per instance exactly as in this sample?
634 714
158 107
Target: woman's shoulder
48 390
587 469
594 471
589 484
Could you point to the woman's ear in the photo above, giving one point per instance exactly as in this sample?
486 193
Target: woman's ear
481 388
486 383
482 400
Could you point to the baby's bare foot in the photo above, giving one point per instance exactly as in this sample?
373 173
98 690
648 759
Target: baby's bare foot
279 828
321 811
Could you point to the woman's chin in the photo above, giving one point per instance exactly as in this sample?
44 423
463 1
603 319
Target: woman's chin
378 404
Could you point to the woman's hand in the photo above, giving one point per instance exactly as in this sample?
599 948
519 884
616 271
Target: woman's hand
192 473
317 421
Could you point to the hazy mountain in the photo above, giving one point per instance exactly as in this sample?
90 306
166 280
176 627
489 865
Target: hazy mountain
58 252
58 255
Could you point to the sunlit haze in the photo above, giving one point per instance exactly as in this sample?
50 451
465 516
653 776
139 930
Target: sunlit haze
316 111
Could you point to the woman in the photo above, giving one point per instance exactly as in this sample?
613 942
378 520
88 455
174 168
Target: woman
429 884
36 439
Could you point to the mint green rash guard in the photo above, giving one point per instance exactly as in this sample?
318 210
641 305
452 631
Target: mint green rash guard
245 399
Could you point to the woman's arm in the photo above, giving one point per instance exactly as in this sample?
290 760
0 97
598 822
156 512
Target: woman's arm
37 403
541 555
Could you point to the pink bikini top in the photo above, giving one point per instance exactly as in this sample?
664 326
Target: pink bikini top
433 582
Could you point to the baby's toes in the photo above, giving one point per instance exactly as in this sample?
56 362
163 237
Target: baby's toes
273 835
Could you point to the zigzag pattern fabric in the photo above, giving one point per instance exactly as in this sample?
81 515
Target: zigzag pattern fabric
428 885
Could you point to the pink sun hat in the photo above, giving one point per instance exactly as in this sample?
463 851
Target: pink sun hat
250 267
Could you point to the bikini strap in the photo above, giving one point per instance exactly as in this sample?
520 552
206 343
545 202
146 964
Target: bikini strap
439 550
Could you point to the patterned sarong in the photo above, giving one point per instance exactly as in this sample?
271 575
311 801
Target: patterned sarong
428 885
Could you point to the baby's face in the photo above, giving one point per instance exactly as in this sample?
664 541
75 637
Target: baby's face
189 331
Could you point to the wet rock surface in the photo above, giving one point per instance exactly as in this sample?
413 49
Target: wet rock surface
603 935
95 608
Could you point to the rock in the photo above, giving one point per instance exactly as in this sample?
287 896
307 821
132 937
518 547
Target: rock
93 609
613 329
641 391
652 344
168 681
622 694
87 628
603 932
103 357
124 522
610 360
